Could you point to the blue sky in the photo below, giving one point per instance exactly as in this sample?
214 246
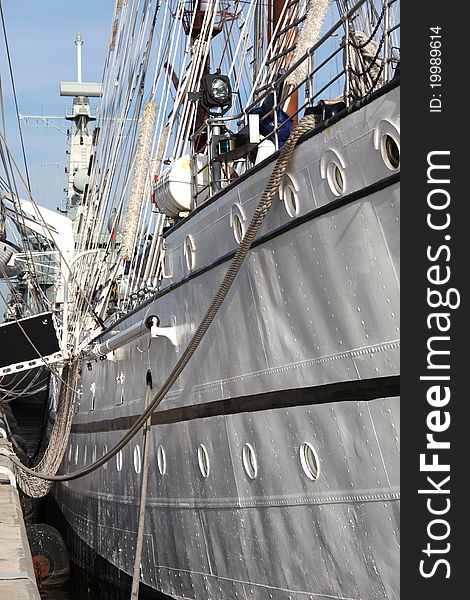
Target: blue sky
41 36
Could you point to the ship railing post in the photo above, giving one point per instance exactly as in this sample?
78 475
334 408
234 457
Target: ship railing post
386 41
347 67
216 166
194 176
276 137
246 118
309 82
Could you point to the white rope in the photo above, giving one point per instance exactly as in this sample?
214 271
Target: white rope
141 167
365 67
309 34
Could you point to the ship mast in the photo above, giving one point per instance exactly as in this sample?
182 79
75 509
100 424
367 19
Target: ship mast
81 135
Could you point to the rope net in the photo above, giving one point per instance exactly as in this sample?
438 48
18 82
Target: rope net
50 462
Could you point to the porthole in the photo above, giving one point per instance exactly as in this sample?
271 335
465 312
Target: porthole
161 460
291 202
137 459
309 461
237 221
289 194
119 460
237 228
386 138
203 460
189 252
76 455
105 451
335 179
390 152
249 461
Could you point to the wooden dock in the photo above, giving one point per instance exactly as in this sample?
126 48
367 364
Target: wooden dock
17 579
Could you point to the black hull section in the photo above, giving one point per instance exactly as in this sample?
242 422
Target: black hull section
92 577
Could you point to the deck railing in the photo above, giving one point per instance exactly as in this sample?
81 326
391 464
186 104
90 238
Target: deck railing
375 53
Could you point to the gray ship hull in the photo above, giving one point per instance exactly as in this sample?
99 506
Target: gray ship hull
274 459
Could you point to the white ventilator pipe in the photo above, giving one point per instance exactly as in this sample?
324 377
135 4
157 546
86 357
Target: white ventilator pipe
141 167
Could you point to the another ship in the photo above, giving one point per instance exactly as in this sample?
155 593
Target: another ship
267 464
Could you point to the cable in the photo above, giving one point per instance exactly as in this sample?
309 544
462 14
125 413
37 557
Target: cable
14 96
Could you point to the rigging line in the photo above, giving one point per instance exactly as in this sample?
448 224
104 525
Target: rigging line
14 293
24 237
199 52
241 49
228 33
48 366
108 148
113 181
306 124
100 215
97 273
2 107
140 219
146 53
142 74
111 79
15 383
169 55
158 71
263 70
143 244
47 227
14 95
201 57
172 49
11 436
13 393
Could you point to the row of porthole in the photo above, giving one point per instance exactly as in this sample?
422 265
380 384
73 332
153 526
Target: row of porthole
387 143
308 460
334 174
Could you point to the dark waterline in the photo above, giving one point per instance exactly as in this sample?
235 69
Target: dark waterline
67 591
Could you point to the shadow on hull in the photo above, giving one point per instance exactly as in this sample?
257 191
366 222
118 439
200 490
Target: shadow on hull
92 577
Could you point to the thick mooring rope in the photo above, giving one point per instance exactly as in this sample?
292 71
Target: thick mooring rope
31 484
303 126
